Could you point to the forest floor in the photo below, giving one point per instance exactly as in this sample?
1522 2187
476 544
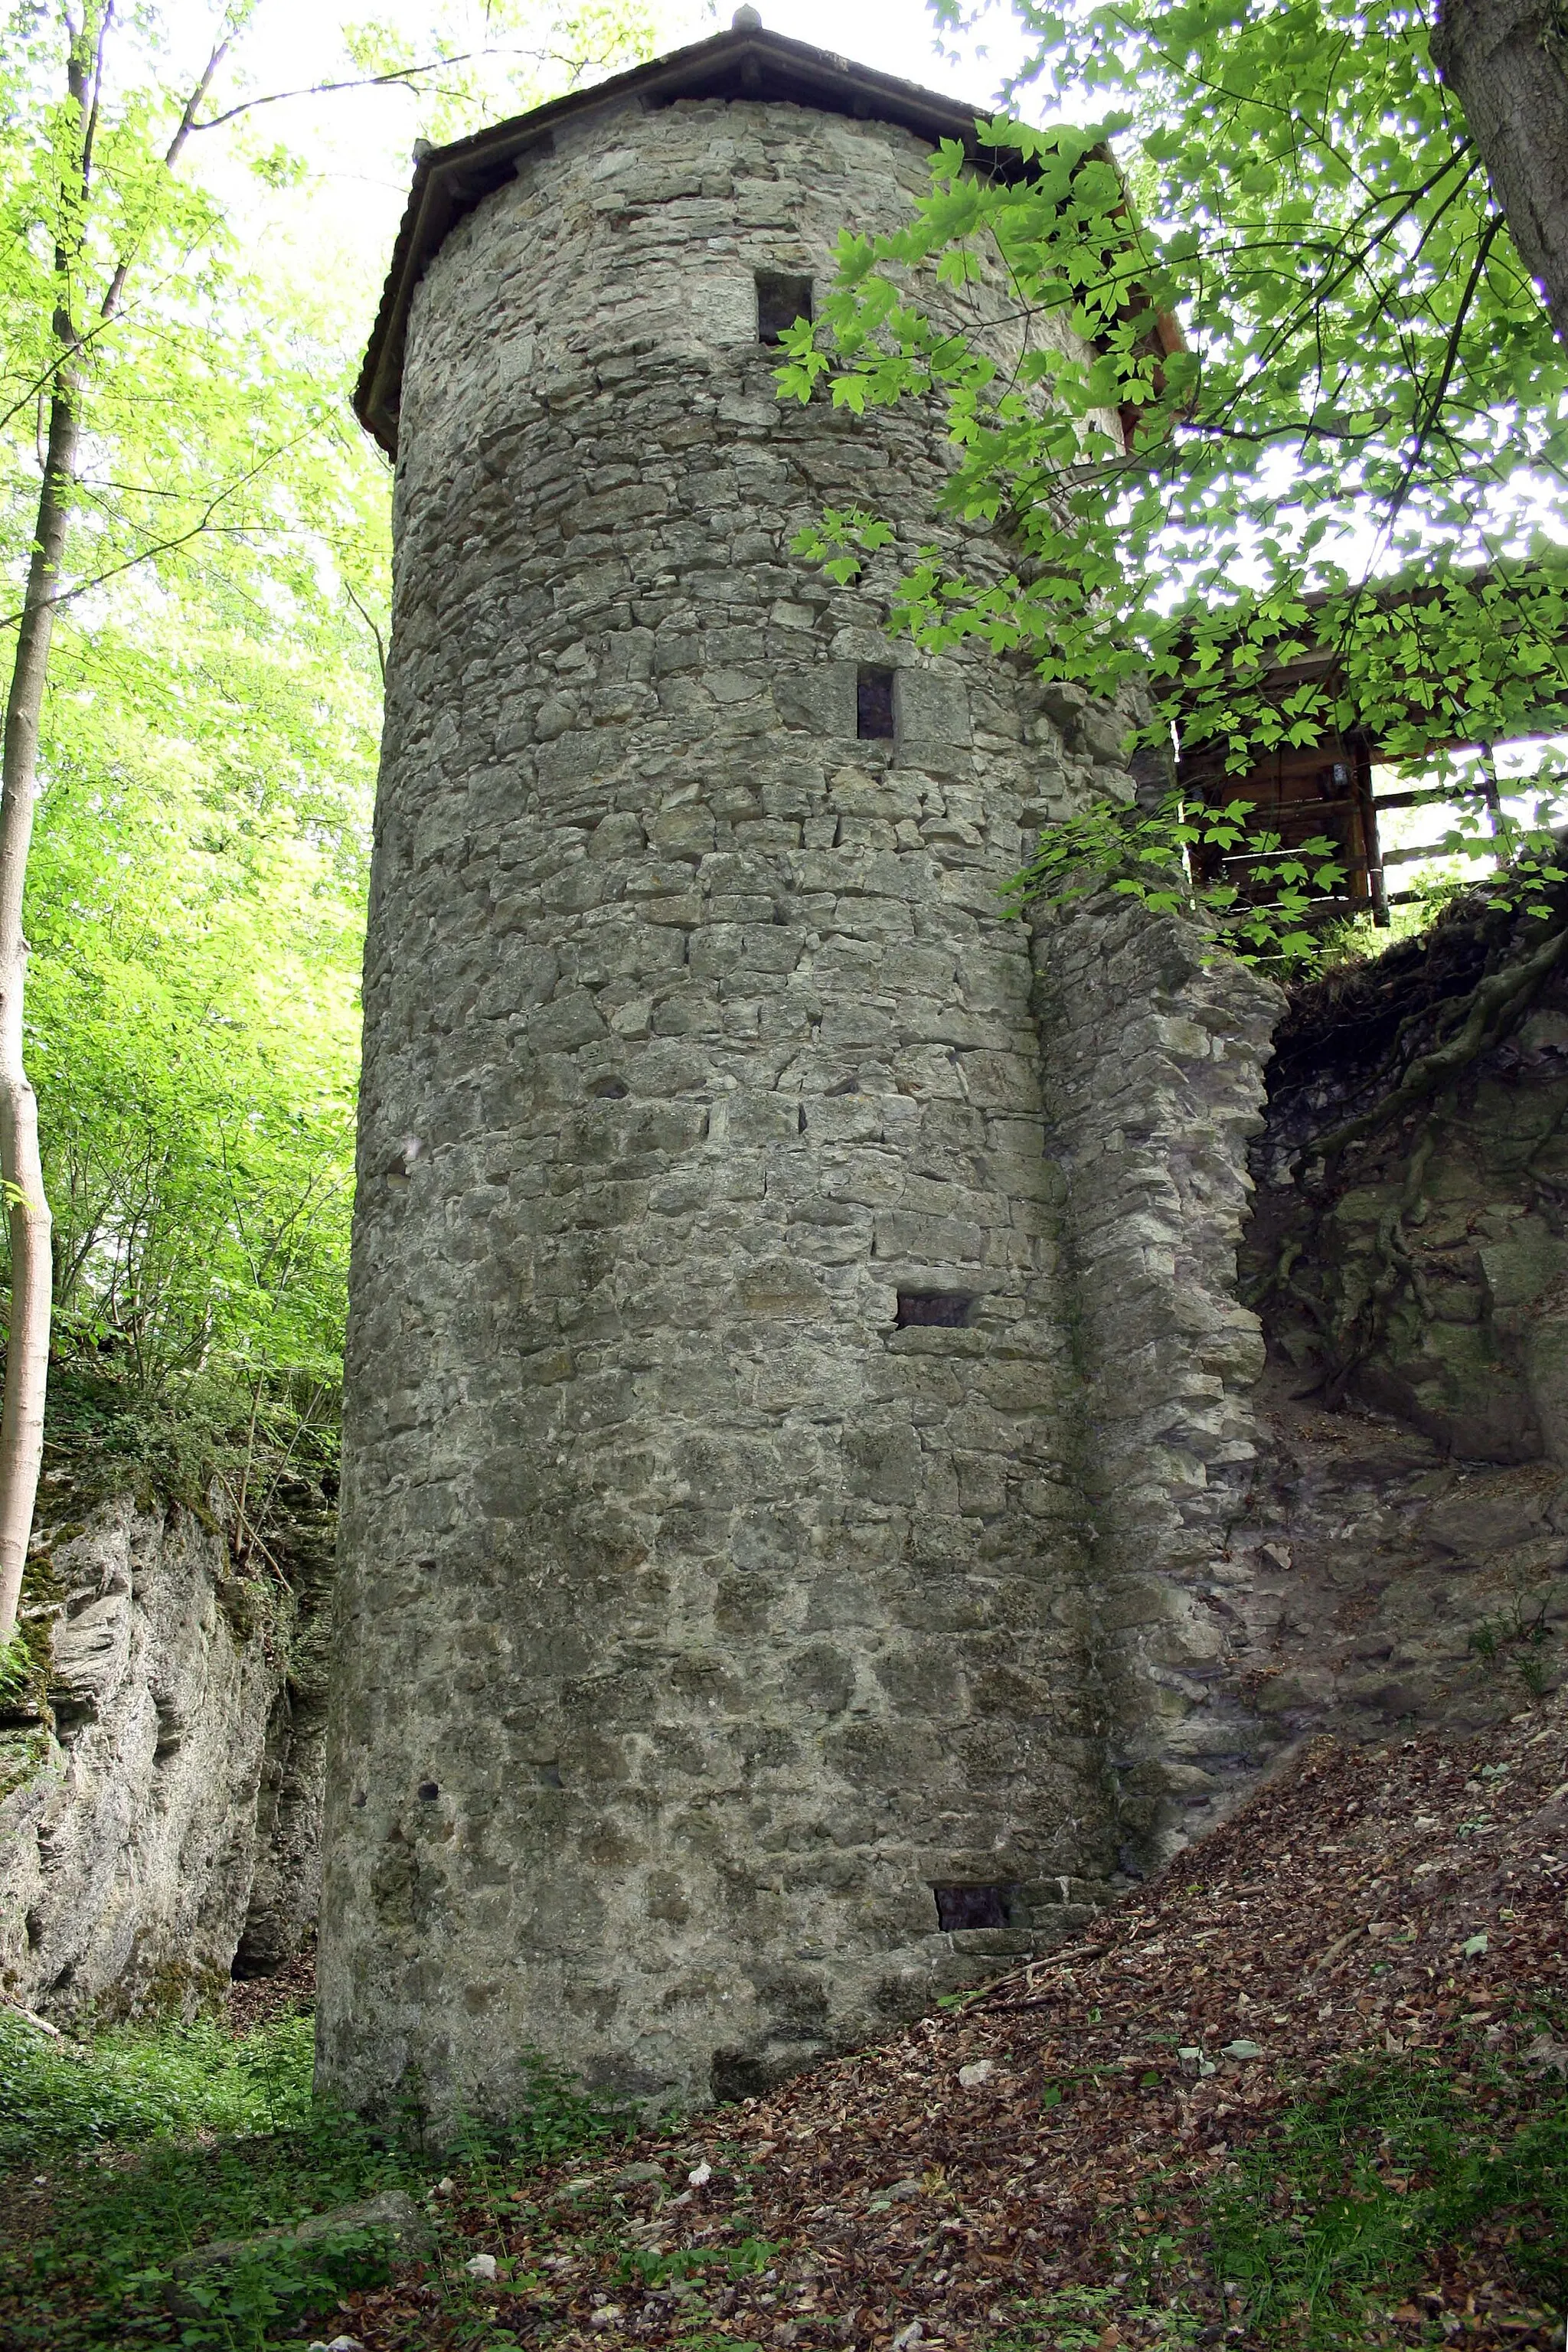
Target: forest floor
1310 2089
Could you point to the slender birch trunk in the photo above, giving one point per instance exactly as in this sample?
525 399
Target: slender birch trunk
1506 61
32 1268
21 1165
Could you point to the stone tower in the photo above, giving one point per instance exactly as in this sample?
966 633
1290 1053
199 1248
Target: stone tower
715 1683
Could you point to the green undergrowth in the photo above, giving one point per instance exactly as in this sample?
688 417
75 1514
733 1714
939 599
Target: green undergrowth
1399 2173
60 2100
118 2157
1374 2186
1403 2174
105 1431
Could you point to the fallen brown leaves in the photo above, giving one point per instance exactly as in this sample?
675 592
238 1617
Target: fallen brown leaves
258 2001
1400 1899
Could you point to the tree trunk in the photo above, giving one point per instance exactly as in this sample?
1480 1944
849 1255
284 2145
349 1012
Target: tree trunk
1506 61
32 1254
27 1340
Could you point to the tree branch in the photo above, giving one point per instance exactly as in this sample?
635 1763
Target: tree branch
398 77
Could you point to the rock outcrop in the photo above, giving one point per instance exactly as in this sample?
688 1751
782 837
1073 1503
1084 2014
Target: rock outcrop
161 1818
1407 1521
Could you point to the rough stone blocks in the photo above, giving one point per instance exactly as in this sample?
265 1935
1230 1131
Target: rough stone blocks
708 1605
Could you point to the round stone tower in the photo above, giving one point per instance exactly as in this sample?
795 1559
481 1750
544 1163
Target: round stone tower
713 1685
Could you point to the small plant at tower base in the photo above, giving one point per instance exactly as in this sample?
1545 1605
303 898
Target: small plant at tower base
1525 1636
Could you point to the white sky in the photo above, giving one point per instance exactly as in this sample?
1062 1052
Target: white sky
339 228
359 144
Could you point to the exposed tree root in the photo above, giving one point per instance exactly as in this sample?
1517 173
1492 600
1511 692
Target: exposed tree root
1502 994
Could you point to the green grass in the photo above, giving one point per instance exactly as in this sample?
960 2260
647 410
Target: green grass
118 2156
1359 2192
62 2099
143 2145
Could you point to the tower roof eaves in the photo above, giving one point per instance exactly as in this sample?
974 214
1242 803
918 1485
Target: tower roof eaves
448 181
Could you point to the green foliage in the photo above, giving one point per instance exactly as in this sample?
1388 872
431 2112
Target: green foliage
649 2266
1079 2318
207 741
1148 855
217 467
192 1012
1524 1635
1366 393
1173 858
60 2098
103 1433
150 2144
1357 2189
23 1701
16 1668
474 60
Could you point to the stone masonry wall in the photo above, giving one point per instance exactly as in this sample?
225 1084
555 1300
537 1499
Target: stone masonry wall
699 1621
1280 1547
1154 1053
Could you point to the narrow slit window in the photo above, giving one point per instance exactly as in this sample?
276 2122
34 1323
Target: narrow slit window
874 704
971 1906
781 302
936 1311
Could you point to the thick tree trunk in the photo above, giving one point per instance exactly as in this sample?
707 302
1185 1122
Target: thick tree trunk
1506 61
27 1340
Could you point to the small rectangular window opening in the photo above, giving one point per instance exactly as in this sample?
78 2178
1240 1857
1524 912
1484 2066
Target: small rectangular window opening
939 1310
781 302
874 704
971 1906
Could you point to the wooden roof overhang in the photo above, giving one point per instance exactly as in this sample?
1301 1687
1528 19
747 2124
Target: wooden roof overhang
1302 790
448 181
746 63
1323 664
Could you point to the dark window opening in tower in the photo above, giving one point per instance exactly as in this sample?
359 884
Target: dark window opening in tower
971 1906
940 1310
781 302
874 704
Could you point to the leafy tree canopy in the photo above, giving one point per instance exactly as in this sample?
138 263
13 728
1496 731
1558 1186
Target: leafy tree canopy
207 736
1365 395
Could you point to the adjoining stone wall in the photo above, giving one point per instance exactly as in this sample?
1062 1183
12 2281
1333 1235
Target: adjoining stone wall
1351 1516
138 1846
698 1620
1409 1520
1154 1051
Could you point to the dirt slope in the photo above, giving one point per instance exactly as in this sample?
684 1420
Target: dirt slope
953 2185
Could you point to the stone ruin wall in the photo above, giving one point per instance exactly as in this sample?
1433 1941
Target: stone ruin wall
699 1621
1153 1052
1326 1408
